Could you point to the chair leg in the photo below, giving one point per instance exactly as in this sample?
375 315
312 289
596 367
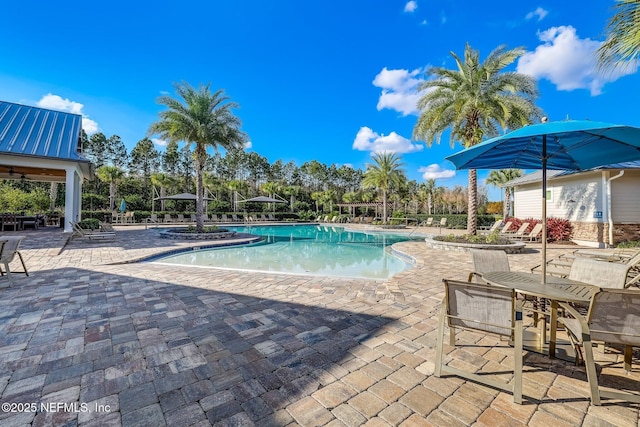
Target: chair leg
628 354
592 375
517 349
23 264
6 266
440 339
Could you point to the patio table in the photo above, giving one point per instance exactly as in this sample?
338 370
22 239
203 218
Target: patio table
555 289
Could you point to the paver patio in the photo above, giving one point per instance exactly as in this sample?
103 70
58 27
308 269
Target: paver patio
139 344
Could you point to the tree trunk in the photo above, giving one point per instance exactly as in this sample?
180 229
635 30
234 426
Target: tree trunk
507 202
53 195
472 214
384 206
163 194
199 195
112 195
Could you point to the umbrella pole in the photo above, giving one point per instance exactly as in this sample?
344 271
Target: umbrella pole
544 208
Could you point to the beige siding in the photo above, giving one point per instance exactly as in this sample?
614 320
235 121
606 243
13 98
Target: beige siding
576 198
625 197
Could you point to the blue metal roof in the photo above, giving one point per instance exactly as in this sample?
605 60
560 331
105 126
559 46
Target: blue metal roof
38 132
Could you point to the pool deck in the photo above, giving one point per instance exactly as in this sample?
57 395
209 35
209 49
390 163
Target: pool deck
139 344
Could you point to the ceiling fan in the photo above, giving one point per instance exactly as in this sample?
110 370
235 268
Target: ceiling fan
23 176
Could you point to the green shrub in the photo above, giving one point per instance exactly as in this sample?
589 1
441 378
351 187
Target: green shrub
631 244
89 224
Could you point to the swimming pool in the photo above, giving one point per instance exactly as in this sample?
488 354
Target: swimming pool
305 249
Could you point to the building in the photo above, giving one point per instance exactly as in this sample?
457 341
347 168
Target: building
603 204
44 145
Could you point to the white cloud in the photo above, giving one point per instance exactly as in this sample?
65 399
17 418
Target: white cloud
248 145
55 102
411 6
567 61
368 140
434 171
399 90
539 12
159 142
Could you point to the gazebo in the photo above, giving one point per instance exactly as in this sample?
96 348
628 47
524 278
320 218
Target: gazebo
44 145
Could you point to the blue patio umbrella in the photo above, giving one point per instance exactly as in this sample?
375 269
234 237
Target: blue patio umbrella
564 145
123 205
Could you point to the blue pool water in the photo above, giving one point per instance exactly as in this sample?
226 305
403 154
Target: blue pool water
304 249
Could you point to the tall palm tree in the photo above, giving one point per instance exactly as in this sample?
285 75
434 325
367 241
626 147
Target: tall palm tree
474 101
384 174
203 118
500 177
110 174
621 48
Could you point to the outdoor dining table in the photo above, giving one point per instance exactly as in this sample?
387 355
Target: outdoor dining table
555 289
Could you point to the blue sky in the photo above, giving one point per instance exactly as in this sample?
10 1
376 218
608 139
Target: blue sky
327 80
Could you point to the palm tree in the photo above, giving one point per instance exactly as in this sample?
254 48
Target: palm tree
163 181
621 48
500 177
474 101
385 174
110 174
202 118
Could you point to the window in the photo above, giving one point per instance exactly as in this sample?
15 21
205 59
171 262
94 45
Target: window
549 196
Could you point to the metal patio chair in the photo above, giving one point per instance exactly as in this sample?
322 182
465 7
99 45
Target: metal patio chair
484 308
614 318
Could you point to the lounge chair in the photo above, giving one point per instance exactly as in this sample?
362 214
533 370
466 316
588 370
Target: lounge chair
534 236
443 223
613 317
224 218
129 217
193 218
8 250
234 218
272 217
180 218
105 226
427 223
493 228
263 218
214 218
518 233
153 218
91 235
168 219
489 309
505 228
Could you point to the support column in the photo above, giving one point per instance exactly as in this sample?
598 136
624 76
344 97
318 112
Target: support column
71 196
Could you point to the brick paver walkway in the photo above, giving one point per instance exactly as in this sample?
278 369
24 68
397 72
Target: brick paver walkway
139 344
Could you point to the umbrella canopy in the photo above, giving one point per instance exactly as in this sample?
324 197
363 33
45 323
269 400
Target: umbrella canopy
263 199
567 145
181 196
123 205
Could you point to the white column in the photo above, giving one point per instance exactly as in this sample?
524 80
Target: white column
70 196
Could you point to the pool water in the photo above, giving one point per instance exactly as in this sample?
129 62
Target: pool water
304 249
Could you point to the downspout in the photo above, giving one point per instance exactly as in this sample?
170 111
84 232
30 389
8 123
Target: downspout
609 213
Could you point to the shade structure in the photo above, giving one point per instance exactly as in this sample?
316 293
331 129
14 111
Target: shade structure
563 145
263 199
181 196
